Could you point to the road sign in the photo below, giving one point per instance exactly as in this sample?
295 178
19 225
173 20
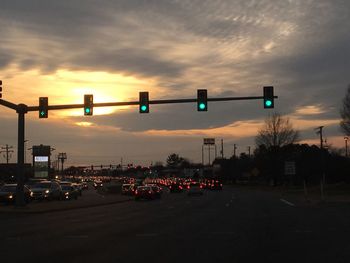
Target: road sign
209 141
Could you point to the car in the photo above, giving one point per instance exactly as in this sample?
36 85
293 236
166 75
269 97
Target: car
85 186
70 192
46 190
157 190
195 189
97 184
8 193
175 188
126 189
216 185
78 187
145 192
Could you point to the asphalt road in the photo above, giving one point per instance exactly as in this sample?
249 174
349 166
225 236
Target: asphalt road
225 226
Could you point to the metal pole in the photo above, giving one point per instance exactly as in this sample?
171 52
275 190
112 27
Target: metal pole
222 148
202 154
25 151
22 110
346 146
209 152
234 150
323 178
249 151
215 151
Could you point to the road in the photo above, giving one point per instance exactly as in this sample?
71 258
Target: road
225 226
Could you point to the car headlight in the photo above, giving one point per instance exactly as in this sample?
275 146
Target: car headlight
47 191
31 194
10 196
67 193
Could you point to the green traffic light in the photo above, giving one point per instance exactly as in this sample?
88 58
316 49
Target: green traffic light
143 108
268 103
202 106
42 113
87 110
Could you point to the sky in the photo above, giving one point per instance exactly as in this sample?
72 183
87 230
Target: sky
170 48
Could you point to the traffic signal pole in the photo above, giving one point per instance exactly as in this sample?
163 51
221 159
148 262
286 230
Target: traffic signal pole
22 109
131 103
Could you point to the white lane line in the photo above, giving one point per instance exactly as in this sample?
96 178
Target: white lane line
286 202
227 205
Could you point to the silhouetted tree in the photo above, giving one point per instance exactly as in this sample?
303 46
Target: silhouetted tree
174 160
345 113
277 132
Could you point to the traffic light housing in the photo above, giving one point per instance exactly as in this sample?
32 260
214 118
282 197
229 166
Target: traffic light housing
43 107
268 97
144 102
202 100
88 105
0 89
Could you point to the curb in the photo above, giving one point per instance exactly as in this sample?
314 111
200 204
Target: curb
19 211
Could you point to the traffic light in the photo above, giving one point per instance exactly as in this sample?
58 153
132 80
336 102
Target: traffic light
0 89
88 104
43 107
202 100
144 102
268 97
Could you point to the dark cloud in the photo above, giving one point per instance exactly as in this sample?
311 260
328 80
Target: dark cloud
139 61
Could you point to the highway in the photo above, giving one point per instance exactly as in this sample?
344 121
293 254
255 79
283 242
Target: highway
221 226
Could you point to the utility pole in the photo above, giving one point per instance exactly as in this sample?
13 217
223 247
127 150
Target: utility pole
7 151
234 150
323 179
346 146
203 155
249 151
222 148
320 132
209 153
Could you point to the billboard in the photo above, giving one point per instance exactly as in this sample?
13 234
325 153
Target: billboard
41 160
41 166
209 141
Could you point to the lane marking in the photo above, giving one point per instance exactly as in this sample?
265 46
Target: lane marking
227 205
286 202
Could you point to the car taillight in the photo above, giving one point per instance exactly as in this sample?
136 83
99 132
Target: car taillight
136 192
180 187
188 187
149 192
200 186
